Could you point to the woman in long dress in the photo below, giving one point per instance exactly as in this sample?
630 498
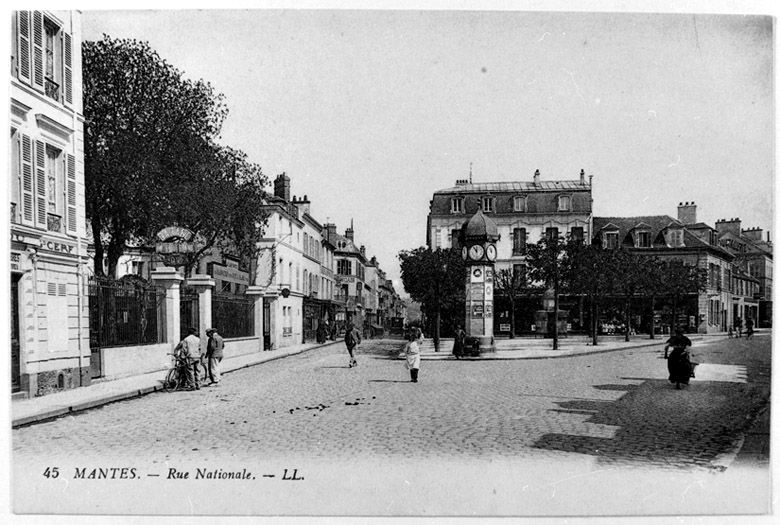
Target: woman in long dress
413 353
679 363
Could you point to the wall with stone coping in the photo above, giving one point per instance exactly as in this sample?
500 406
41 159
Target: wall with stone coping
237 346
123 361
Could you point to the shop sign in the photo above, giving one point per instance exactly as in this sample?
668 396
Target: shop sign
228 273
477 310
16 261
174 245
504 327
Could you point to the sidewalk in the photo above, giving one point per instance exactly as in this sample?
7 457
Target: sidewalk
26 411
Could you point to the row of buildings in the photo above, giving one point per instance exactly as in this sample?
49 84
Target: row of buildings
307 275
738 261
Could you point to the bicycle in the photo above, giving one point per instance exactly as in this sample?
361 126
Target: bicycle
177 376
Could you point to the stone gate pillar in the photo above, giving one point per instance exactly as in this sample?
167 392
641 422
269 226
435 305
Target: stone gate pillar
170 280
256 293
203 284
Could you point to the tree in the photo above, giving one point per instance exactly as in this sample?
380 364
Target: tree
629 271
150 152
511 283
681 280
549 263
592 274
652 286
435 279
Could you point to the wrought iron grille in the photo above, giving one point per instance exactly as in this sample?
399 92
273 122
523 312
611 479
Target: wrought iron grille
233 315
124 313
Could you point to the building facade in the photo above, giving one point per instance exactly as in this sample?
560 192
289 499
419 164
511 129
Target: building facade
49 316
523 212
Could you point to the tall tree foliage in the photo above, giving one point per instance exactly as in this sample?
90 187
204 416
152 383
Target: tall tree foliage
592 273
511 283
435 279
681 280
549 262
150 154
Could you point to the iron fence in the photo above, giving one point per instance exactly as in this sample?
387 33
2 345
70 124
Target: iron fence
189 313
124 313
233 315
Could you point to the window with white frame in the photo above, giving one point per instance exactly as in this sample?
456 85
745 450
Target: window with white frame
675 238
519 203
456 205
564 202
487 204
611 240
43 55
642 239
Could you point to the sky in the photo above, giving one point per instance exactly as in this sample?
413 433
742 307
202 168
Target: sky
370 112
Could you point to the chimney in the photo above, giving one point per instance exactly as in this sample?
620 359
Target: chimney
349 233
733 226
582 177
304 204
461 182
282 187
686 213
362 250
330 231
754 234
536 177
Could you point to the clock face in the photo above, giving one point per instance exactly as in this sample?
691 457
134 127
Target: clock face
476 252
491 252
465 253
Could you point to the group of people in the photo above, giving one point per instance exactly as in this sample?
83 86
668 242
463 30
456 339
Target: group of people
736 330
352 339
189 349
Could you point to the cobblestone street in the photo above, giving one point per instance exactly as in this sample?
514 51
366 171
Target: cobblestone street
615 409
615 406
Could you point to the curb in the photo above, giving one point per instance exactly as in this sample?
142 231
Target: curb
136 392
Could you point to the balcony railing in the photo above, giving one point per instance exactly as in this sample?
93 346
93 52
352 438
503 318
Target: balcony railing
53 223
52 89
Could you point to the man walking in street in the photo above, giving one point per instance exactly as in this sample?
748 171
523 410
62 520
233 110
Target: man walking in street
214 352
352 339
190 345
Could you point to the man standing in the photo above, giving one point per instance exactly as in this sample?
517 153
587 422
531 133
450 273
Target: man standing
214 352
190 345
351 339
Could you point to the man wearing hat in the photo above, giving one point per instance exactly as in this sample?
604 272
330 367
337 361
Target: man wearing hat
214 349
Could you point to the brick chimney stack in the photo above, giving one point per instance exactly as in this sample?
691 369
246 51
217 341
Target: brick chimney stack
582 177
330 231
754 234
733 226
349 233
282 187
537 175
686 213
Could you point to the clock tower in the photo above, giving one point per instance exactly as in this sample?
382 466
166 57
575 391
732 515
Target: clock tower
478 237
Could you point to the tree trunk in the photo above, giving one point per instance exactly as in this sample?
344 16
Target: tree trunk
436 328
97 259
628 318
511 318
652 317
673 324
555 317
595 310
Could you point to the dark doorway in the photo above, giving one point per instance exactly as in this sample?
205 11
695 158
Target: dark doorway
15 350
266 325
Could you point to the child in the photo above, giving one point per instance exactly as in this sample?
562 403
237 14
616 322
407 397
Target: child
413 353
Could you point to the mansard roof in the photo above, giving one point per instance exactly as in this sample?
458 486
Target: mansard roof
517 187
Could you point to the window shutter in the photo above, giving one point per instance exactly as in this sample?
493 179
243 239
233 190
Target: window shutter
37 49
23 45
67 67
71 197
27 181
40 184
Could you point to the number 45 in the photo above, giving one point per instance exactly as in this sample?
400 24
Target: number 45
51 472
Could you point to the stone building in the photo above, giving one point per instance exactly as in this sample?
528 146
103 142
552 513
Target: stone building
49 317
523 211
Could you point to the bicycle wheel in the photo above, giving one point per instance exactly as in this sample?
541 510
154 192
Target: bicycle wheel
172 380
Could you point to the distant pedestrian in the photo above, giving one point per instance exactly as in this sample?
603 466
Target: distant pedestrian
352 339
748 327
190 349
459 346
738 326
413 353
731 331
214 352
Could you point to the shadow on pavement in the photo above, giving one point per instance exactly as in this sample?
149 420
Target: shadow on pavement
653 424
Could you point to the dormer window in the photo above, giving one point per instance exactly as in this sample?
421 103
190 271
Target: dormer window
519 203
564 202
456 205
674 238
611 240
487 204
642 239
